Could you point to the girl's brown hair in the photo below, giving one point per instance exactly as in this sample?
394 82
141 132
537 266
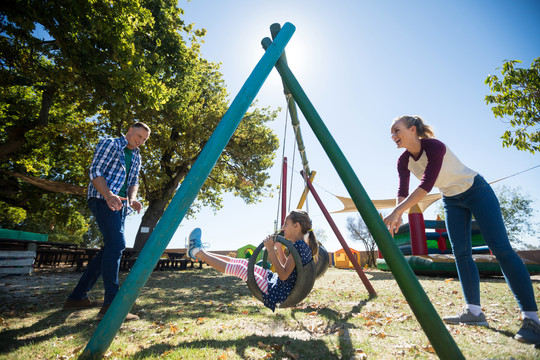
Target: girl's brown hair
301 217
422 130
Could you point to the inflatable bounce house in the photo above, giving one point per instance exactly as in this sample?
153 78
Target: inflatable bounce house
429 252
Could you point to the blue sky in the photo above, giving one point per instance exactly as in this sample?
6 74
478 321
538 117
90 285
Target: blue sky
362 63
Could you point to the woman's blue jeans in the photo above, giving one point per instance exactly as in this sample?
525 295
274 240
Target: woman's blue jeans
106 263
480 201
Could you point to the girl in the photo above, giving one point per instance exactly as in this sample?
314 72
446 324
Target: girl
465 193
275 287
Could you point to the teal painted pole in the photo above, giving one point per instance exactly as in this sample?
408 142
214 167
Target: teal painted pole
182 200
425 313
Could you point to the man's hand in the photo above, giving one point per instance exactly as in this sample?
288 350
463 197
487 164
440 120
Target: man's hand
135 205
115 202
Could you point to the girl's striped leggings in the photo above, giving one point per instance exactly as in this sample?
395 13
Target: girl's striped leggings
239 268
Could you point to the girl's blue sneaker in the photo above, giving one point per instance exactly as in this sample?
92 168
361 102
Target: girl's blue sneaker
194 242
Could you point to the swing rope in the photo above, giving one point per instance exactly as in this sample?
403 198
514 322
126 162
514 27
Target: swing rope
291 182
281 172
509 176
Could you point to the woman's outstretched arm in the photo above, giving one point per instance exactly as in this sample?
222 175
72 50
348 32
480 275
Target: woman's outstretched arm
393 220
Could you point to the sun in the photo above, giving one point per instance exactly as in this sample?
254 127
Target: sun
299 56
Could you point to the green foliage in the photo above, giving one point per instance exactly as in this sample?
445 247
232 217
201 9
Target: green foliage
63 217
517 212
75 71
10 216
517 95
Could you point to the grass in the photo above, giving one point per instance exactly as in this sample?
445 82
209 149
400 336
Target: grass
201 314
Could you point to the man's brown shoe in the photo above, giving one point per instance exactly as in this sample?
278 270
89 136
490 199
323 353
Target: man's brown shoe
80 304
104 308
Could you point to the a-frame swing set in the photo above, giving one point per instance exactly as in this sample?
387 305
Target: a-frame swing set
427 316
308 175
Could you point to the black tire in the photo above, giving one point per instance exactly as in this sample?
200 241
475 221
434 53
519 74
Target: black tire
323 262
304 281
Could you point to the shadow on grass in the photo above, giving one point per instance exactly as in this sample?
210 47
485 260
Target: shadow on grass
203 291
195 287
506 333
280 347
337 321
10 340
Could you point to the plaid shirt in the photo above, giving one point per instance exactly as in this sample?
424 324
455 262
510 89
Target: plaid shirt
110 163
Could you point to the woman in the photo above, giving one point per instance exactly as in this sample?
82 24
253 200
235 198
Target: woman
465 193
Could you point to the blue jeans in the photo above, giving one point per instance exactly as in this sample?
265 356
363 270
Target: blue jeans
106 263
480 200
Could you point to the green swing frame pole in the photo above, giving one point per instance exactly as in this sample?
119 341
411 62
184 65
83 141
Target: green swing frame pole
427 316
298 134
182 200
291 105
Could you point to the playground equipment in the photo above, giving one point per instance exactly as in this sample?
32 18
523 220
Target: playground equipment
341 240
431 323
304 281
436 241
323 263
245 251
436 257
341 260
429 253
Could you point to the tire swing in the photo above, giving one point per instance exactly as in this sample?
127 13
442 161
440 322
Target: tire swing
304 281
323 262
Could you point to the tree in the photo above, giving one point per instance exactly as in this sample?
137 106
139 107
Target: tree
73 72
62 63
517 212
517 95
240 169
359 232
320 234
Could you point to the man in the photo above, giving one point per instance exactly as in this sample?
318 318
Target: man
114 179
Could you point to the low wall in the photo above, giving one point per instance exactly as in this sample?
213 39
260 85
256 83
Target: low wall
533 255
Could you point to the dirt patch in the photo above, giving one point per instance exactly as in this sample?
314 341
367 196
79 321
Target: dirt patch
277 331
43 287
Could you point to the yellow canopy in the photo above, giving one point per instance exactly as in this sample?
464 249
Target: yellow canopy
385 204
391 203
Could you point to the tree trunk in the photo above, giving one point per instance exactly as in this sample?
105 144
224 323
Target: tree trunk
150 218
155 210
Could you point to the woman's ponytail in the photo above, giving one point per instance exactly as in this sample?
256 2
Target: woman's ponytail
422 130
